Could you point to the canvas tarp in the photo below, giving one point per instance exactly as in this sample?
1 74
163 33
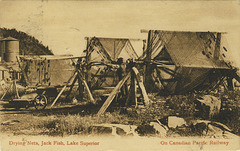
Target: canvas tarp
110 49
189 49
47 70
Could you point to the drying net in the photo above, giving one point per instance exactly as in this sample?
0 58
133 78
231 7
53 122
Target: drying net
189 49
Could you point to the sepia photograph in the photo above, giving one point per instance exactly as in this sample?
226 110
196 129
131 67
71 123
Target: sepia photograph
119 75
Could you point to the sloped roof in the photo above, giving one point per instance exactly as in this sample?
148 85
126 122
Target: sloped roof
189 49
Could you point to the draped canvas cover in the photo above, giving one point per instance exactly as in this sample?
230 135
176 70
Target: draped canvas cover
110 49
190 49
190 59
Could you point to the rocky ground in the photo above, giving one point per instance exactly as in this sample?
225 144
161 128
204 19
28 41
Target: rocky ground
170 116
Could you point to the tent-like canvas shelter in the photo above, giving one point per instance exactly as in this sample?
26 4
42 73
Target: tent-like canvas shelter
109 51
184 61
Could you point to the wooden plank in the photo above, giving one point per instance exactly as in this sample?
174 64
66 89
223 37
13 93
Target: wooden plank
236 75
60 93
141 85
147 30
113 94
134 39
50 57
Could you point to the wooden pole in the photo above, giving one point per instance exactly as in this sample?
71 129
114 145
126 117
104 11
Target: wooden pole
71 87
230 83
148 68
60 93
113 94
22 70
80 88
141 85
132 91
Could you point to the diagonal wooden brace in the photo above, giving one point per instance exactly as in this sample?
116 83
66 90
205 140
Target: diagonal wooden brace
141 85
86 86
113 94
60 93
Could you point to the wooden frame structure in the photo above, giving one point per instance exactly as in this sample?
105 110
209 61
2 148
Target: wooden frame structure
179 62
44 84
135 78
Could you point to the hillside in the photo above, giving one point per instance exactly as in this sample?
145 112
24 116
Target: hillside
28 44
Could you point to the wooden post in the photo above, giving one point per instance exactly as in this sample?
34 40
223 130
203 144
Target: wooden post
22 70
87 59
113 94
132 91
236 75
230 83
60 93
217 47
141 85
80 88
147 77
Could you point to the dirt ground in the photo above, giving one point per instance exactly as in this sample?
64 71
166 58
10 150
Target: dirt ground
26 121
66 119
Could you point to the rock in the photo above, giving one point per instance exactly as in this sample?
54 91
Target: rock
174 122
221 126
10 122
74 100
212 129
160 128
145 129
199 128
118 129
230 135
208 106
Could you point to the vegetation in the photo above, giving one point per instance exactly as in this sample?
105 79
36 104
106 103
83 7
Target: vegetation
80 120
28 44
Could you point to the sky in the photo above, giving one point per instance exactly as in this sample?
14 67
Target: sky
63 25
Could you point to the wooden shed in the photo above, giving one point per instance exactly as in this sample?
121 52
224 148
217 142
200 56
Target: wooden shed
47 70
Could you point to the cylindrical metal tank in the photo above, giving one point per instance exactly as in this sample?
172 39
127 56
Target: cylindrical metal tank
11 49
10 57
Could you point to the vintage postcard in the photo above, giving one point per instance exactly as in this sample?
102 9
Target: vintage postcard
119 75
